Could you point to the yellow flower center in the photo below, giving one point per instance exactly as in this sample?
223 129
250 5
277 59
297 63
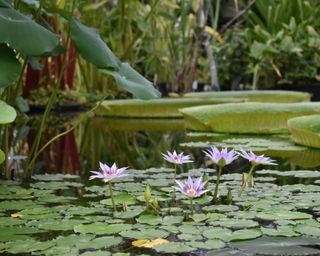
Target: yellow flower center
191 191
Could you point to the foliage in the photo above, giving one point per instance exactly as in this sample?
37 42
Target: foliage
279 33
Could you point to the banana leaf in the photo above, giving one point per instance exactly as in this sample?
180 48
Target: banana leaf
305 130
164 108
256 96
246 118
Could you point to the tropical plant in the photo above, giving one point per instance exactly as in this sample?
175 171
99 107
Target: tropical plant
280 33
25 41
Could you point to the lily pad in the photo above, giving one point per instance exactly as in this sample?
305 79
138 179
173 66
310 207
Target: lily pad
101 228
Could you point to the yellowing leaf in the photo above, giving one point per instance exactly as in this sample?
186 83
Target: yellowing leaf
149 243
16 215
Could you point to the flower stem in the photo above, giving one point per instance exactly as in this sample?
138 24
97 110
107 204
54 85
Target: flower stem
246 180
174 180
112 198
215 195
191 205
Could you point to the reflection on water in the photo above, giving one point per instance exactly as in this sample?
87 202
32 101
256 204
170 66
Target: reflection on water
138 143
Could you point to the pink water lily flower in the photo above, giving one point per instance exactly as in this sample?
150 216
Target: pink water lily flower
177 158
221 158
255 159
191 188
108 173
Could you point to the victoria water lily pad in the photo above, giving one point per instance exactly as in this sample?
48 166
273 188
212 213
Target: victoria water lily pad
305 130
256 118
164 108
256 96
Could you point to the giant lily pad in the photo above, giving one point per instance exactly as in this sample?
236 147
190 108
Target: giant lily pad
256 118
164 108
256 96
305 130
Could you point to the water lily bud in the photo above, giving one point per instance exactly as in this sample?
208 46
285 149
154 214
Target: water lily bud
155 203
147 193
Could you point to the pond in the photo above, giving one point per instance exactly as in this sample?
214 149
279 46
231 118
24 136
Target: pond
60 212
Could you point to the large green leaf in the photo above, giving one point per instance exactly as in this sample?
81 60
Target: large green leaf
256 96
263 118
91 47
132 81
10 67
163 108
7 113
25 35
305 130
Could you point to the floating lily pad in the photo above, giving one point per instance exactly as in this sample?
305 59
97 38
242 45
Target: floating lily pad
145 234
208 245
101 228
173 248
279 214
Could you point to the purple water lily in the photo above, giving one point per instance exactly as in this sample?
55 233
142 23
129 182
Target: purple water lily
108 173
191 188
221 158
255 159
177 158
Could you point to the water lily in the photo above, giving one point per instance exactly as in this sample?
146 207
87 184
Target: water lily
107 174
221 159
191 188
255 161
176 159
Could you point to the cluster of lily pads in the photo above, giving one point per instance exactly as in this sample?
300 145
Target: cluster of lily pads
56 214
191 188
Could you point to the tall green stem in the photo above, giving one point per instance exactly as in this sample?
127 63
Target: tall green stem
191 205
216 189
246 180
112 198
174 181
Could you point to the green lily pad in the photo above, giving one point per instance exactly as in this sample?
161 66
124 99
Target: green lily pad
147 234
307 230
208 245
173 248
280 231
101 228
279 214
122 198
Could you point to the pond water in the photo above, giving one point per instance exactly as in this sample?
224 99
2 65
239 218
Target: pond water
62 213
